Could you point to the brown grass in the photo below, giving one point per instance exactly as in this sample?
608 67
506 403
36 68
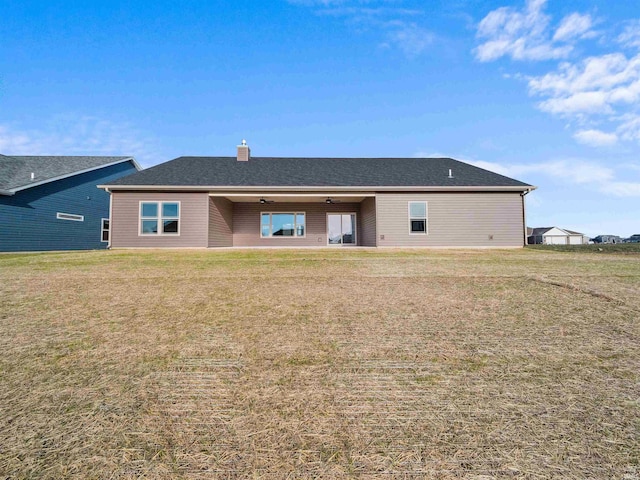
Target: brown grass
320 364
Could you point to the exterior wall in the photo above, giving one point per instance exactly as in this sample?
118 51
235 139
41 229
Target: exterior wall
28 219
246 223
194 220
475 219
576 240
368 222
220 222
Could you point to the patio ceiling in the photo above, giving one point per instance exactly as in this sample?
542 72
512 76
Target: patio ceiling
293 197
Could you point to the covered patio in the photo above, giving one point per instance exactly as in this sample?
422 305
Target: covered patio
291 219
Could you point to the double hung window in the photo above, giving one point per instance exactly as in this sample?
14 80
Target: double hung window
105 230
417 218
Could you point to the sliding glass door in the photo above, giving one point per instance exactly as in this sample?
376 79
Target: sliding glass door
341 228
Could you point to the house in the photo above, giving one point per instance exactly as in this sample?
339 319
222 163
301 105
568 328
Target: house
555 236
607 239
244 201
53 203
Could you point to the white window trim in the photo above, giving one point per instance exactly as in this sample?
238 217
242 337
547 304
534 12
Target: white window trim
425 218
295 231
159 218
69 216
102 230
355 230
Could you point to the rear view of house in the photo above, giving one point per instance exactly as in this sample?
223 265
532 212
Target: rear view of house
316 202
53 203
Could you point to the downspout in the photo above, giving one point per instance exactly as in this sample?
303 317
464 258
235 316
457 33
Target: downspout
524 216
110 217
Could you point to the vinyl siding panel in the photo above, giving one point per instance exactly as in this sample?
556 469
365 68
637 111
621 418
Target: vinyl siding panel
194 220
220 222
28 219
368 221
246 223
454 220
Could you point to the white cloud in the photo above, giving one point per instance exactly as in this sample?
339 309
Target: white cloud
493 167
596 138
574 171
316 3
612 74
630 37
629 129
600 93
411 39
12 141
526 34
600 89
571 171
574 26
622 189
577 172
78 135
385 16
579 103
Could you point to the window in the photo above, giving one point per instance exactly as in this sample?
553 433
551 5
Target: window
282 225
417 217
70 216
159 218
105 230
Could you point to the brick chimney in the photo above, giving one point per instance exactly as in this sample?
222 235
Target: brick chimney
244 152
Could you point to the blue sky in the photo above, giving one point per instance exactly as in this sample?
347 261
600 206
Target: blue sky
544 91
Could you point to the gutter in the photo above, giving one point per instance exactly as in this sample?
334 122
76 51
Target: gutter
237 189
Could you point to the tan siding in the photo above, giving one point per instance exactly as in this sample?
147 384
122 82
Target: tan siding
368 221
454 219
220 222
246 223
194 214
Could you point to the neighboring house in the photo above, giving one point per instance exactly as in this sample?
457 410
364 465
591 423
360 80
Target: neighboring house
53 203
555 236
607 239
315 202
635 238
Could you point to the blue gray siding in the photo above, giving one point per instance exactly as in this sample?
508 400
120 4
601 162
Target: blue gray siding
28 218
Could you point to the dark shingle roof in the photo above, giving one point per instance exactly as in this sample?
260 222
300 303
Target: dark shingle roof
543 230
317 172
539 230
15 171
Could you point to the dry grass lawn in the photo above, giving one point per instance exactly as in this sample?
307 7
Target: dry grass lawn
320 364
